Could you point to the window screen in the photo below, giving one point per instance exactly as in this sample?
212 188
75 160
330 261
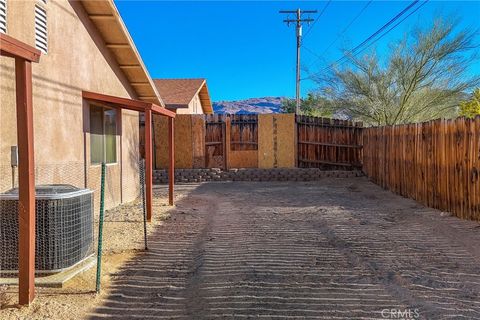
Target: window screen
110 136
103 131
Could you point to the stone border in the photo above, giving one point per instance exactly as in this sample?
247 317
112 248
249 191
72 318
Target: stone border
251 174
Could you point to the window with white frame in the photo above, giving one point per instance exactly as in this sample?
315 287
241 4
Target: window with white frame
103 133
41 31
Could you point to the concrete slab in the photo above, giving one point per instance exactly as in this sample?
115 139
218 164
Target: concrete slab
56 280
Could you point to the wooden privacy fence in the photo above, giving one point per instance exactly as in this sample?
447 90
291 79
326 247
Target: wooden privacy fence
328 143
244 132
436 163
231 140
265 141
215 153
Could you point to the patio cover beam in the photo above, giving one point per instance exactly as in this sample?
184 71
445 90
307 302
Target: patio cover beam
24 55
13 48
126 103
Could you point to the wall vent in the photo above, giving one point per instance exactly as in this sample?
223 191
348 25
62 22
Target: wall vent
3 16
41 40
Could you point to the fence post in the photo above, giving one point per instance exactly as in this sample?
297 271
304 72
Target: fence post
228 131
295 141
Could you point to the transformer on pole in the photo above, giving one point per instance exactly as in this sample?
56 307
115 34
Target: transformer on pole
298 22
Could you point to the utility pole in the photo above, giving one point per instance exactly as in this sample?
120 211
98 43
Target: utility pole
298 21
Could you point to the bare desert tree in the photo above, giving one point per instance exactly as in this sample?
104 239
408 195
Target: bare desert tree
423 77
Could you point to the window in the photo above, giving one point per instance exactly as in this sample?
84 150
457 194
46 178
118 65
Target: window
41 39
3 16
103 135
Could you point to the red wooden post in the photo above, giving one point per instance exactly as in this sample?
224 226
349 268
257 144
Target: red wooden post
227 142
171 159
148 161
26 178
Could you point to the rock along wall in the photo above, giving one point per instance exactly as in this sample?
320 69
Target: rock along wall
251 174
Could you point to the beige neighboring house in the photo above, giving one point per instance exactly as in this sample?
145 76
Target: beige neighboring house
85 47
185 96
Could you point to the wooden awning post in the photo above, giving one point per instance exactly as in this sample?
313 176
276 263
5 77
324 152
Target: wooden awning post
24 55
26 182
171 160
148 161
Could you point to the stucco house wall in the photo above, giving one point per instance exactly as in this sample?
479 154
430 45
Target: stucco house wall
194 107
77 60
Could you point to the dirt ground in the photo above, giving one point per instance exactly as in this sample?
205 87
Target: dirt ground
331 249
122 240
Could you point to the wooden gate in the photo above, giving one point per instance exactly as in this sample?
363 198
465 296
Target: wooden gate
329 143
244 132
215 153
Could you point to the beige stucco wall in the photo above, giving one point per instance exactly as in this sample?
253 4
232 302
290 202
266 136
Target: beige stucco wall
276 140
77 60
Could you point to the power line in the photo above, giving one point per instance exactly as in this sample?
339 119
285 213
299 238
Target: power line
415 10
318 18
364 43
320 57
348 26
386 25
311 51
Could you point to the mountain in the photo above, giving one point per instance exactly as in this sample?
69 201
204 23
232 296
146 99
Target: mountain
252 105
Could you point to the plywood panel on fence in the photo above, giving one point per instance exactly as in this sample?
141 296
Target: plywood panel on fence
436 163
276 140
243 159
198 141
243 141
329 143
160 132
183 142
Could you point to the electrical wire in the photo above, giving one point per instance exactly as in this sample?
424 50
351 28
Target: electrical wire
320 57
421 5
385 25
316 20
348 26
365 43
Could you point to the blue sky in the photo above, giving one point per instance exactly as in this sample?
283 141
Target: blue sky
243 48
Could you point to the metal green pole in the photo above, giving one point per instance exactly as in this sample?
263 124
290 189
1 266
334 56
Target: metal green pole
142 190
100 228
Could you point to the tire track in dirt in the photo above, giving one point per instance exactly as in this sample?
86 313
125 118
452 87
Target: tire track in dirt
335 249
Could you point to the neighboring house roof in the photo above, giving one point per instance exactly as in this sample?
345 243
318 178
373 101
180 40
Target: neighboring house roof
178 93
106 18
